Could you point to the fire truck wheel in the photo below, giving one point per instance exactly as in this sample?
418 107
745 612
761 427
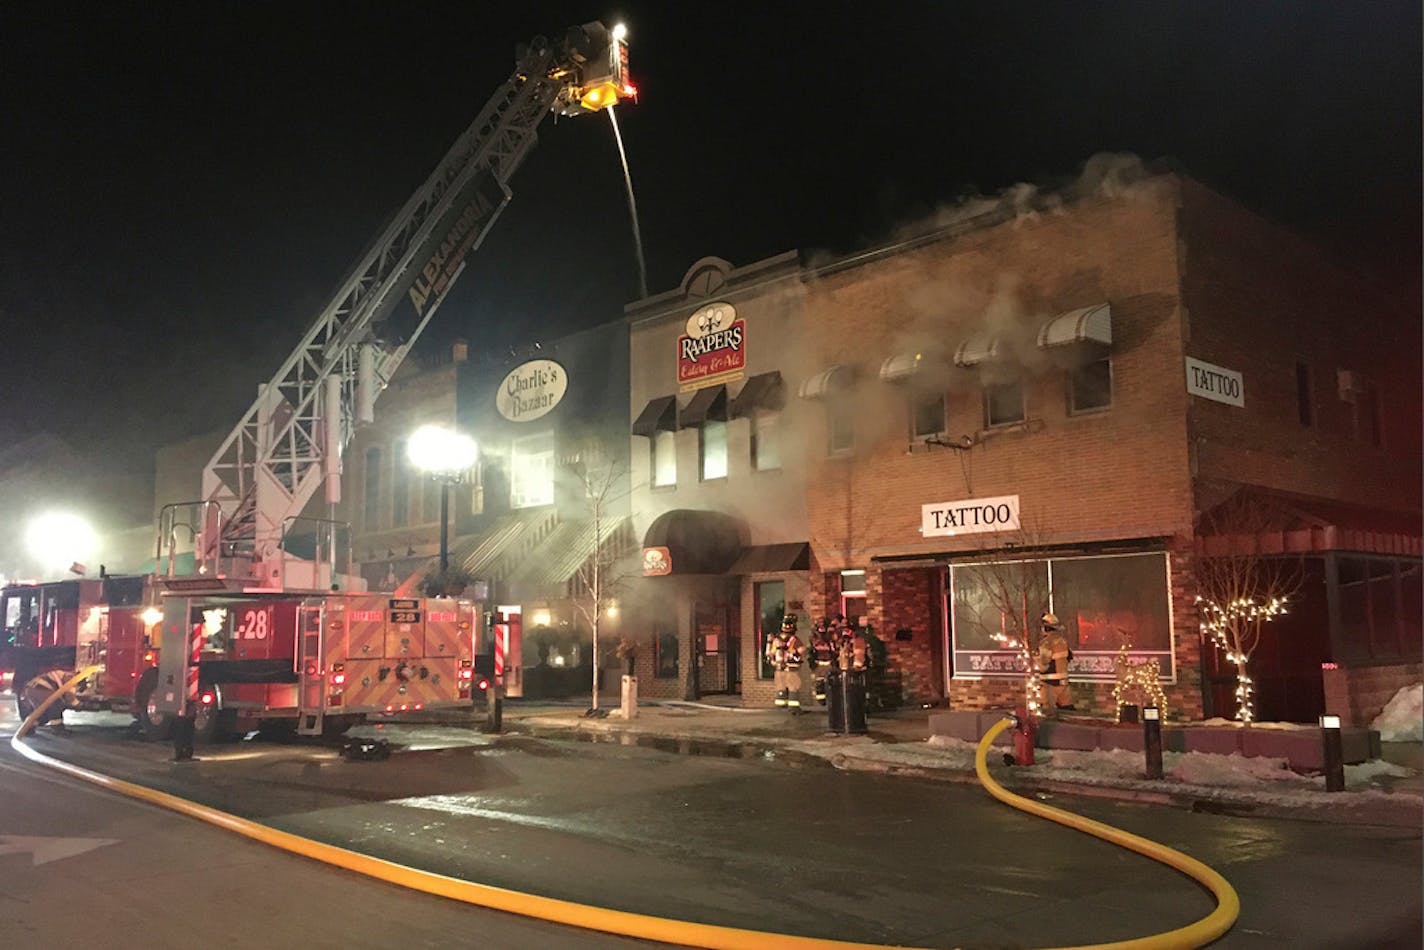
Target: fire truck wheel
212 723
155 726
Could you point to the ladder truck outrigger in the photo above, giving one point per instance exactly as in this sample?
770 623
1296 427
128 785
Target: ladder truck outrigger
254 635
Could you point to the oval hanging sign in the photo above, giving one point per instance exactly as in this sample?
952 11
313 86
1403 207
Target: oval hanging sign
531 390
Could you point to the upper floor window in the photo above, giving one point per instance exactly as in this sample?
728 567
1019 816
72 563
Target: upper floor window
371 507
1368 425
840 427
1003 403
663 447
1304 395
712 442
927 415
766 440
531 471
1089 387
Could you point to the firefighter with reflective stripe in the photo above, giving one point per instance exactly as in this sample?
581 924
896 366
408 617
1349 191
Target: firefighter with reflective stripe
1053 657
822 657
39 688
785 652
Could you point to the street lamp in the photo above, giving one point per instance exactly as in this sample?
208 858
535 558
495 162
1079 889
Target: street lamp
59 539
445 455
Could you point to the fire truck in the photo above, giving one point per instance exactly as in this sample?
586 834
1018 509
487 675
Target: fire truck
277 661
253 633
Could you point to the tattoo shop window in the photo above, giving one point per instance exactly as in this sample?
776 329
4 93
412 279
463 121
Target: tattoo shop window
1090 387
927 415
663 447
1003 403
766 440
664 652
712 445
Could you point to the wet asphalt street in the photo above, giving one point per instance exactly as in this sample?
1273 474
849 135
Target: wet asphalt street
769 842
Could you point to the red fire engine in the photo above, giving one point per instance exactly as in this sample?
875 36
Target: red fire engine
256 635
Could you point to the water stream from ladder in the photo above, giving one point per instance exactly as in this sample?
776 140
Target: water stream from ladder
632 206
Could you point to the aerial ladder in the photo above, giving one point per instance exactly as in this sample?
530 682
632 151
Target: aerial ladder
289 444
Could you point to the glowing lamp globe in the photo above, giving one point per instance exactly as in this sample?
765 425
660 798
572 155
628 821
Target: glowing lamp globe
442 451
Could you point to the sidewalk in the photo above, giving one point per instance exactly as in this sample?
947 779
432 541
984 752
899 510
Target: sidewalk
899 743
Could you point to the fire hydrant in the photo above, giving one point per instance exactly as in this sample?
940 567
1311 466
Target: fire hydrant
1023 731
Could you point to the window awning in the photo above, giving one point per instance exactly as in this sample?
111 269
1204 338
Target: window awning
1084 325
763 391
979 348
708 404
686 541
900 367
772 558
659 415
827 382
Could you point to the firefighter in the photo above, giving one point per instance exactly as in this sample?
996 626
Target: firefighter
823 657
853 650
785 652
1053 657
39 688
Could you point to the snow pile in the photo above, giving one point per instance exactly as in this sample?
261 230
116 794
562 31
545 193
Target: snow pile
1402 719
1283 726
1201 768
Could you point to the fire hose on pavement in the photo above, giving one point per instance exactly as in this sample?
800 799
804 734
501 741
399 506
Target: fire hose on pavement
624 923
1196 934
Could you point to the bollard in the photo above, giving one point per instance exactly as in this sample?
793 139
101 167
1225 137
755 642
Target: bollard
1152 740
183 739
1334 753
495 722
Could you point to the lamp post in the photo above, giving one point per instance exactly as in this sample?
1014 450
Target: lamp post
446 455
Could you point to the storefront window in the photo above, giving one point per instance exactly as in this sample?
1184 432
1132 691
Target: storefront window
1101 601
664 653
771 610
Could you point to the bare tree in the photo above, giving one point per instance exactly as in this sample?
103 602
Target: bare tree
1244 581
601 478
1014 588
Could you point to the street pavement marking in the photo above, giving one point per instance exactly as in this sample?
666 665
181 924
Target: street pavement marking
45 850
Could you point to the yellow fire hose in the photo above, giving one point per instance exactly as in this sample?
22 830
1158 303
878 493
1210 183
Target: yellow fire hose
640 926
1197 934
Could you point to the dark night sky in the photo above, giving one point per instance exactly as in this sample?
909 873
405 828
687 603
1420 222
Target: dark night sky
181 186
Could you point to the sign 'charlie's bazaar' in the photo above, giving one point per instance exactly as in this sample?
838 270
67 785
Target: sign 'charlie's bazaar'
713 350
531 390
972 516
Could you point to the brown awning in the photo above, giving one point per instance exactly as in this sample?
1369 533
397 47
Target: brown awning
771 558
707 404
763 391
659 415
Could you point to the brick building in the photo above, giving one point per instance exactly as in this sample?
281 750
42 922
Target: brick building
1099 372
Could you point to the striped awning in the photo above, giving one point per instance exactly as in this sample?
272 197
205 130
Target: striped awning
1084 325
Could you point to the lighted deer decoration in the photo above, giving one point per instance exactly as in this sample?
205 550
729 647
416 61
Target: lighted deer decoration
1140 683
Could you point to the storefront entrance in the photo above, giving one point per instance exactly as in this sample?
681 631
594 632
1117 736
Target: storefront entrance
715 650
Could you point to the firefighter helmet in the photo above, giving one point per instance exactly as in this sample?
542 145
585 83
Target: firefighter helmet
1050 621
788 622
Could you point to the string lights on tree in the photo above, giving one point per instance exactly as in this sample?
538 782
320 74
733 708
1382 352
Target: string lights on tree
1033 682
1235 628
